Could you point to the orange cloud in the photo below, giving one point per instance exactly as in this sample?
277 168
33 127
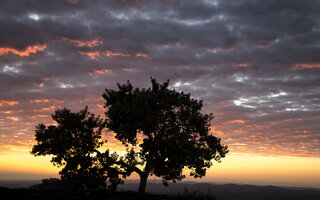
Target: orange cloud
26 52
240 65
7 111
215 131
10 103
39 100
230 139
92 54
142 55
305 66
99 106
100 72
300 136
95 54
111 54
39 116
45 101
79 43
13 118
45 109
293 119
46 79
236 121
240 131
128 69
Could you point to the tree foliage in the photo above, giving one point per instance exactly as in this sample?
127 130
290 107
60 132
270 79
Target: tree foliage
173 132
73 144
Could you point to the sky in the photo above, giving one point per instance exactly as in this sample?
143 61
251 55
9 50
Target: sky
254 63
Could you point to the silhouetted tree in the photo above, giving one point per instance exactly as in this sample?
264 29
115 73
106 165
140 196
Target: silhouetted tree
168 127
73 143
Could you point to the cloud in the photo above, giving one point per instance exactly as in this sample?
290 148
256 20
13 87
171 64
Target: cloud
29 50
79 43
10 103
254 63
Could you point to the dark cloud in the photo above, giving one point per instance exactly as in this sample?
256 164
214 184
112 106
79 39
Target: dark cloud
255 64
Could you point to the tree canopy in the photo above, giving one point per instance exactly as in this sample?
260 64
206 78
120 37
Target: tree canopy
168 127
74 144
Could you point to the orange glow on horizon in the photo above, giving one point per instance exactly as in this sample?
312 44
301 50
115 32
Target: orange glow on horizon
26 163
267 170
235 168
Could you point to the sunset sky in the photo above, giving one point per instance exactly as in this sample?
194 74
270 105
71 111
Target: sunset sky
254 63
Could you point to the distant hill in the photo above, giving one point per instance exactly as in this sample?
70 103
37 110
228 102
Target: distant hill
18 183
221 191
231 191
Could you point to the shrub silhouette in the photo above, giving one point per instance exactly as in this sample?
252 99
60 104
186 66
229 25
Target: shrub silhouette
174 133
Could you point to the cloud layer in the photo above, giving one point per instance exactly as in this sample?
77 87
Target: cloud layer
255 64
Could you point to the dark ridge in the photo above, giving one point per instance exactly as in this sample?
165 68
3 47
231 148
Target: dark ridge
232 191
18 183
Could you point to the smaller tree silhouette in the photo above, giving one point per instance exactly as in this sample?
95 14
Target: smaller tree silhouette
173 132
73 143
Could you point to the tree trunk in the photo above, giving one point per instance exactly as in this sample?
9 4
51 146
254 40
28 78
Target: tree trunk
143 183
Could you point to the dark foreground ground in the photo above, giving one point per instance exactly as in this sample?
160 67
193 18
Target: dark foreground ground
156 191
45 194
